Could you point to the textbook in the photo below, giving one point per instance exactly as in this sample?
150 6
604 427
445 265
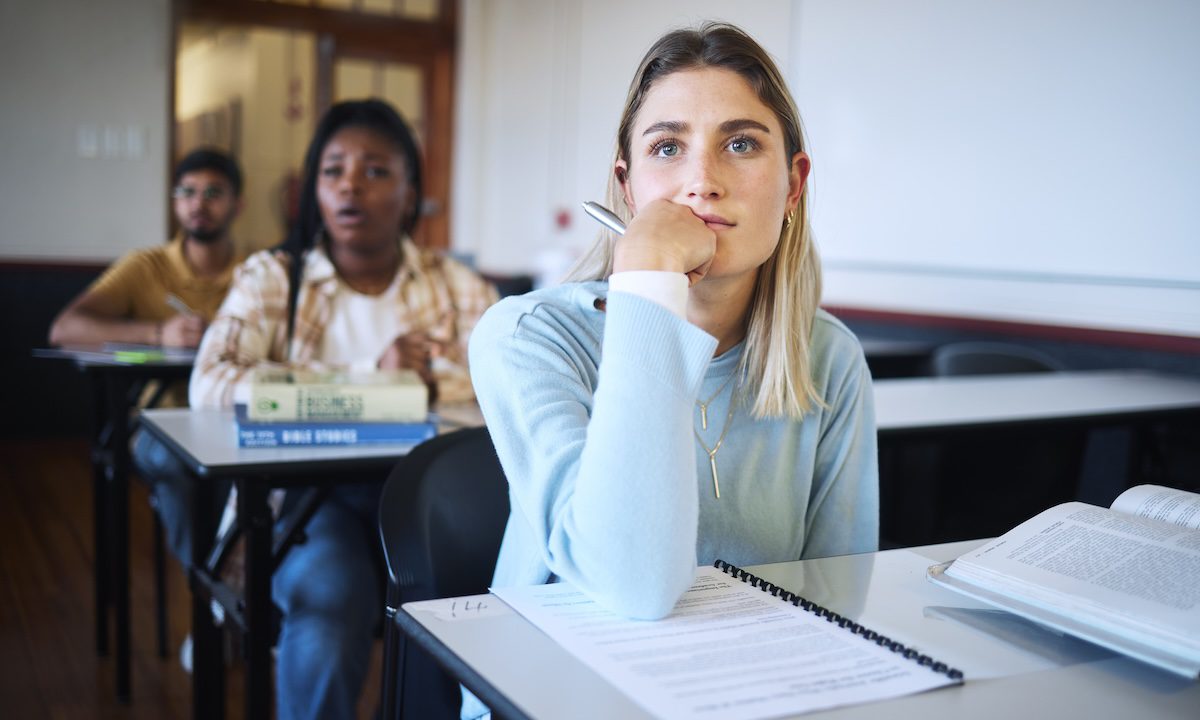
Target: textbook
1125 577
735 647
380 395
252 433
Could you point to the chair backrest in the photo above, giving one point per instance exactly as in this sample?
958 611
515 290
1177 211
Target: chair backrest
989 358
442 515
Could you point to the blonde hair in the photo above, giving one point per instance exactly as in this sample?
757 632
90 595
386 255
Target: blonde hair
788 290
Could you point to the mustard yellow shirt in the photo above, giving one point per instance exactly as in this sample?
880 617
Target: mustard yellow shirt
141 280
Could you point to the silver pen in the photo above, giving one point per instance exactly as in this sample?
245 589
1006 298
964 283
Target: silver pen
178 305
606 217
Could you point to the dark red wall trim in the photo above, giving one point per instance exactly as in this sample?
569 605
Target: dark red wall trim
1118 338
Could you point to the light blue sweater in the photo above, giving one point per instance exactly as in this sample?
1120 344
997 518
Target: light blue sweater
608 486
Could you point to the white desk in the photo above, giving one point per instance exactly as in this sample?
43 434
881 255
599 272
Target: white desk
1013 669
917 416
906 405
206 441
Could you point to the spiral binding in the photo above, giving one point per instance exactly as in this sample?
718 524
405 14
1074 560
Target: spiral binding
842 622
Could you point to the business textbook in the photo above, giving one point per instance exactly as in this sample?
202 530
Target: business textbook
396 396
254 433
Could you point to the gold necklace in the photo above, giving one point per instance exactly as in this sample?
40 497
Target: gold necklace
712 453
704 405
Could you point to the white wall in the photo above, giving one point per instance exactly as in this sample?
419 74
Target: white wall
541 85
83 127
1029 160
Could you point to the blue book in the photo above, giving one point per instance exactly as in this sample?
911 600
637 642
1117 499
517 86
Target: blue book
253 433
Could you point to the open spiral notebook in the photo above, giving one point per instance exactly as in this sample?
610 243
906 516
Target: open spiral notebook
734 647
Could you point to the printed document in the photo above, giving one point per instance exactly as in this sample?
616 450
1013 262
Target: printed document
728 650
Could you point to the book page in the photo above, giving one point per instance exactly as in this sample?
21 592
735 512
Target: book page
728 650
1128 575
1178 507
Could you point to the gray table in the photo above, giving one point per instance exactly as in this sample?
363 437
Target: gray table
1013 668
206 441
937 404
1003 416
933 405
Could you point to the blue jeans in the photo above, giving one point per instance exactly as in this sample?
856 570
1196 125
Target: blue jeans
329 589
171 492
328 586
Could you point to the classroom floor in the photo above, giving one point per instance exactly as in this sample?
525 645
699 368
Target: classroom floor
47 639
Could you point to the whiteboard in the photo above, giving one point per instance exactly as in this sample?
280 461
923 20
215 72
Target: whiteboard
1026 160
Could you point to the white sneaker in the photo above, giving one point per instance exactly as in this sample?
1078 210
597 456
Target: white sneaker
185 654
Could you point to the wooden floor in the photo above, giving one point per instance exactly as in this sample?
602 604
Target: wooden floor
48 662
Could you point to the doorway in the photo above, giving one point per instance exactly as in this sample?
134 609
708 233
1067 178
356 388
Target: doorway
253 76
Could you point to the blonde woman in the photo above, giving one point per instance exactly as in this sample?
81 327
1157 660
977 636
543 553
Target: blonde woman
684 399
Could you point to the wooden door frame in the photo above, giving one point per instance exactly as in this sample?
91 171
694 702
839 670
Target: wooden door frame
438 101
430 45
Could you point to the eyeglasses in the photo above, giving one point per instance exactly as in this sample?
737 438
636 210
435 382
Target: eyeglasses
187 192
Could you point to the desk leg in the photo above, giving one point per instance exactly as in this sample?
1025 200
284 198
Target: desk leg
119 502
160 585
252 505
208 672
102 567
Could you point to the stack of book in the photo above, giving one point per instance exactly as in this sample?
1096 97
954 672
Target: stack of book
291 407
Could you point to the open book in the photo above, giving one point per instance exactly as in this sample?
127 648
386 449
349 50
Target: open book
1125 577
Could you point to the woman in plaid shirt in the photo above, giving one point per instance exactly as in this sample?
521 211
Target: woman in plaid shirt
348 289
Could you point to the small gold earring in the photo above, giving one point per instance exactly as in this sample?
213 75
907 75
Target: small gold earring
789 218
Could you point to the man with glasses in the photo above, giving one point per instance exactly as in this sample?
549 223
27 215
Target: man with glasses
166 295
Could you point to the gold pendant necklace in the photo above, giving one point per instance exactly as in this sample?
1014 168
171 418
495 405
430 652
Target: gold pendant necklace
704 405
712 454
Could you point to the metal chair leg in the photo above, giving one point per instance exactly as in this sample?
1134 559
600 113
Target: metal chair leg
393 659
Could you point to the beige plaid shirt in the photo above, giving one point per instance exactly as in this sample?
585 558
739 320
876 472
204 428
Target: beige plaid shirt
439 296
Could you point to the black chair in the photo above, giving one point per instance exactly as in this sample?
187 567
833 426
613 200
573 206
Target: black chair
990 358
982 483
441 519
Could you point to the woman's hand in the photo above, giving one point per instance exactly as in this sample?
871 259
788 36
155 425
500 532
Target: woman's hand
414 351
666 236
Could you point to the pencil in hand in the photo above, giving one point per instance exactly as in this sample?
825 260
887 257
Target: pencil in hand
178 305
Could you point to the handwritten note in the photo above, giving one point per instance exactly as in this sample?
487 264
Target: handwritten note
468 608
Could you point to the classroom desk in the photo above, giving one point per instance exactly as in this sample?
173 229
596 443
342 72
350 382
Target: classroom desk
914 406
917 418
117 383
1012 667
205 440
